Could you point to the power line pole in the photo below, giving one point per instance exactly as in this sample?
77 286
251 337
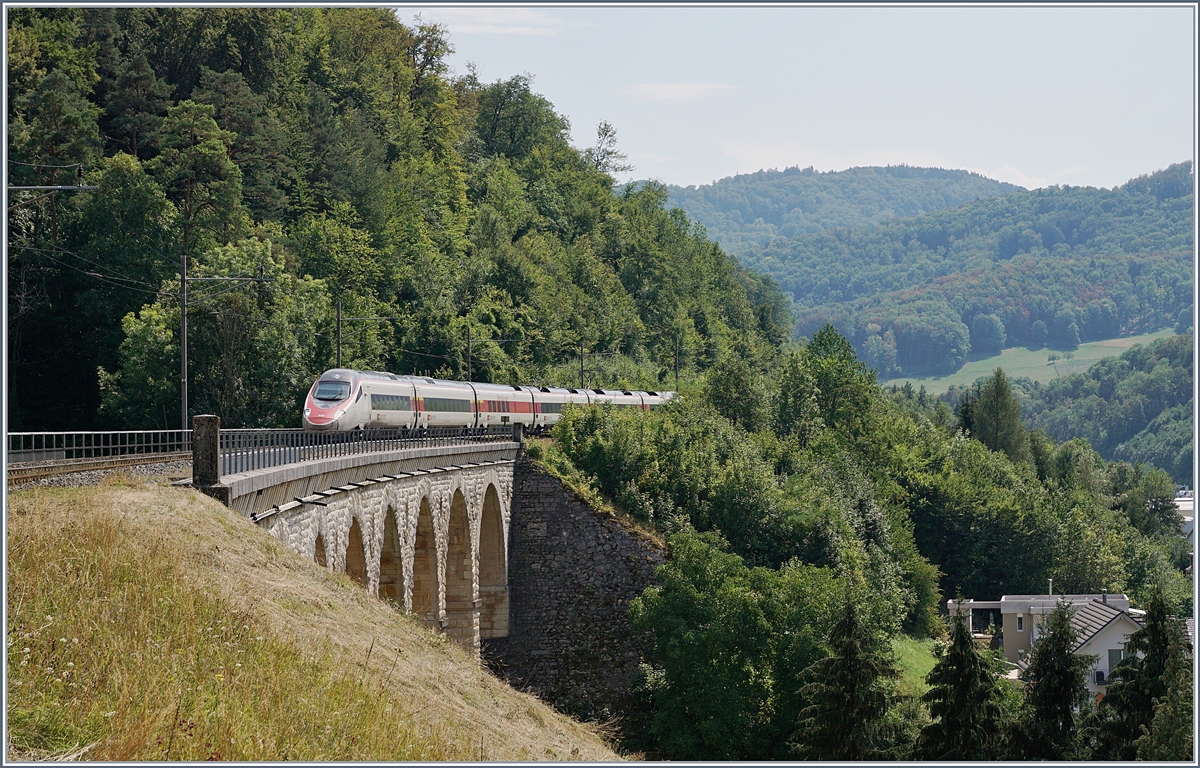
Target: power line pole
581 363
183 325
469 353
677 363
183 339
339 344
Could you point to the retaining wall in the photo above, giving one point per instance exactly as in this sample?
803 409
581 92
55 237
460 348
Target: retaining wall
572 572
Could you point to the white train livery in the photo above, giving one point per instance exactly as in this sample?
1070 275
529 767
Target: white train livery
343 399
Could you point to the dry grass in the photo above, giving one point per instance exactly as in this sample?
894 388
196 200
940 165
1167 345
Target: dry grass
150 623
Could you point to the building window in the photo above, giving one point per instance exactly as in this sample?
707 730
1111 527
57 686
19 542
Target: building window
1114 658
1020 623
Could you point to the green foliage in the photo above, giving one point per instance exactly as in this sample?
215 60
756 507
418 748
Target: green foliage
965 701
1110 262
1171 735
1141 683
1055 689
849 693
433 206
746 212
1136 407
729 641
996 419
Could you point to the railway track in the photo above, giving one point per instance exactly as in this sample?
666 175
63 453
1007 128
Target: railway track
23 472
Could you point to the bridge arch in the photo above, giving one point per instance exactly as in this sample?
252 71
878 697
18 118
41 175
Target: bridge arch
391 561
425 602
493 568
319 556
430 541
356 554
462 612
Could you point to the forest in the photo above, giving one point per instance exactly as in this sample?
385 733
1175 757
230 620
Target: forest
814 517
1048 267
1135 408
294 160
324 158
747 212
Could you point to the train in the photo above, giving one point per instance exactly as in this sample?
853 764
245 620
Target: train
342 399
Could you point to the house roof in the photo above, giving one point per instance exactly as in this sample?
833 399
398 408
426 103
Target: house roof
1091 617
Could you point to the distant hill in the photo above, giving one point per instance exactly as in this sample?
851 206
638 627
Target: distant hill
1054 266
747 212
1136 407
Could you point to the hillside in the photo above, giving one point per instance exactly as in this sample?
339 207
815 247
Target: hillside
1049 267
747 212
1136 407
148 623
326 158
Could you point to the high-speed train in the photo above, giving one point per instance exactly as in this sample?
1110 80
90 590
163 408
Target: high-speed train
342 399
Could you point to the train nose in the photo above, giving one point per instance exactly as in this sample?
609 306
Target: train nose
320 424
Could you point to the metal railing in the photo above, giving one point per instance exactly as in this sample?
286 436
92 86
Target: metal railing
244 450
48 447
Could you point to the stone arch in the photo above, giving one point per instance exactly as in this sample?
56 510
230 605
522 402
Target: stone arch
425 568
391 561
462 610
319 556
356 554
493 568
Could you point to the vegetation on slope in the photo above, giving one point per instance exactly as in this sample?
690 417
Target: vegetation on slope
329 153
783 491
149 623
747 212
1136 407
916 294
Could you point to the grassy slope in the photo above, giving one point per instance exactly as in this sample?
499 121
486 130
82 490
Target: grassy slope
1019 361
915 659
147 623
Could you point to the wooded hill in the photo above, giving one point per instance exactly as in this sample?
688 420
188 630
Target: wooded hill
1052 266
1136 407
747 212
328 153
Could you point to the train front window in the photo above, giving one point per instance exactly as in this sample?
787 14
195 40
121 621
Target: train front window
332 390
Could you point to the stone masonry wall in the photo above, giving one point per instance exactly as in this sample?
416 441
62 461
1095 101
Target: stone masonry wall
572 572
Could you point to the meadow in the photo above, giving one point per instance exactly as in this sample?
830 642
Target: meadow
1031 363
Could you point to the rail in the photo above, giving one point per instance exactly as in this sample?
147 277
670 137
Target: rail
71 447
245 450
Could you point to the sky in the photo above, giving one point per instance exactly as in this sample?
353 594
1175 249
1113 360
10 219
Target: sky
1034 96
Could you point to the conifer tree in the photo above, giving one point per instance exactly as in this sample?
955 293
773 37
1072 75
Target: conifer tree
997 418
850 692
1055 689
1128 707
1169 736
964 701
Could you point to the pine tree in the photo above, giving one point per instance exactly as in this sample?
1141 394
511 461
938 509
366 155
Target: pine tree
1055 689
136 104
997 418
964 700
1128 707
850 692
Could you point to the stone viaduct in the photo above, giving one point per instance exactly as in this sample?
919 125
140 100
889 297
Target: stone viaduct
424 527
479 542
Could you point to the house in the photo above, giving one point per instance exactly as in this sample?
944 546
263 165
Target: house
1102 631
1102 623
1185 505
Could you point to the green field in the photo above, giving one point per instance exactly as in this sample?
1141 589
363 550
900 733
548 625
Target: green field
1019 361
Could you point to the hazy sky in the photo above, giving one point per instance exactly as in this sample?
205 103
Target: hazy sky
1033 96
